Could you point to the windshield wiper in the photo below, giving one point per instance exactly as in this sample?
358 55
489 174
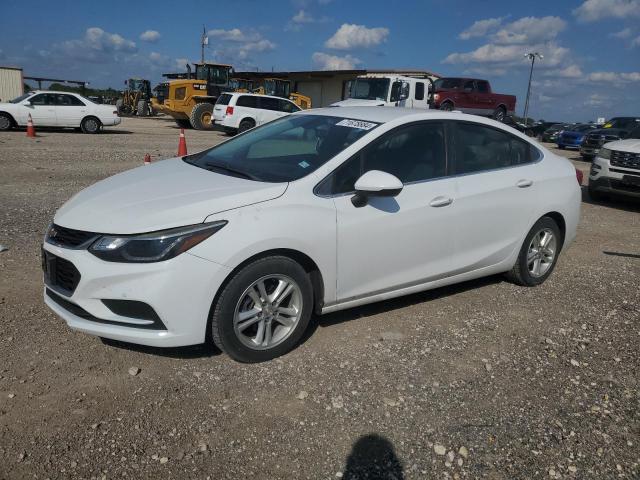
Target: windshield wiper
233 171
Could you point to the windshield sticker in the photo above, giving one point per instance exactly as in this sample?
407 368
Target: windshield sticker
356 124
304 164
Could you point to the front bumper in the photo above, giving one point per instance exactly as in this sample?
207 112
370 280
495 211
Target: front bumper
606 179
180 291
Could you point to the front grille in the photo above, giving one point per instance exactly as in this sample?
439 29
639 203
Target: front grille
625 159
59 274
69 238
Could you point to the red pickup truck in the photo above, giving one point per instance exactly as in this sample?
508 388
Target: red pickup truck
471 95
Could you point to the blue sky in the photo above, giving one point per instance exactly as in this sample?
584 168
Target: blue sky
591 47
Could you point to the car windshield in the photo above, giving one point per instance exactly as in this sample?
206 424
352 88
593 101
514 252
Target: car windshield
370 89
20 98
283 150
447 83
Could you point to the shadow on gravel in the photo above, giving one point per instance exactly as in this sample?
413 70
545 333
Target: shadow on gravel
373 457
204 350
619 254
618 202
400 302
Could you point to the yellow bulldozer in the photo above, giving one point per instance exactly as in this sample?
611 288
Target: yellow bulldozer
190 100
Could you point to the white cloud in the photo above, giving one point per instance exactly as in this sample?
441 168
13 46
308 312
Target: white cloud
350 36
572 71
235 44
624 33
150 36
234 35
512 55
593 10
97 46
481 28
530 30
615 77
635 42
324 61
302 17
596 100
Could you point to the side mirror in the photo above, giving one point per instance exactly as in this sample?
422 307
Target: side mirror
404 91
375 183
27 103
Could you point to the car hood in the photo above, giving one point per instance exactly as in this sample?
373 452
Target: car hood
631 145
167 194
355 102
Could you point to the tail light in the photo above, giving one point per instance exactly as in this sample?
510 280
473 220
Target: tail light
579 176
229 110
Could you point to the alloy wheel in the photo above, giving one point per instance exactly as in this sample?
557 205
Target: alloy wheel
268 312
541 253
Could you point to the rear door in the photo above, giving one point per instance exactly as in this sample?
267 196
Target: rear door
269 109
484 99
70 110
497 186
401 241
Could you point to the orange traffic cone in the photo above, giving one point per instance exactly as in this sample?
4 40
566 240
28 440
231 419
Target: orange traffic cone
182 145
147 159
31 132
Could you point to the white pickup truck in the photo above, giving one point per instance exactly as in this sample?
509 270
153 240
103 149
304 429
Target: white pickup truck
388 91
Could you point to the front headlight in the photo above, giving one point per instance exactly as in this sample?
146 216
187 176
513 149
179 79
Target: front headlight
155 246
604 153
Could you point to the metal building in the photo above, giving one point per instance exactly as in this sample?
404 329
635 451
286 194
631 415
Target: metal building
11 83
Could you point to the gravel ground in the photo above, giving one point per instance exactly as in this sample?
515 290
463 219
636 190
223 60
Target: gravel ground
480 380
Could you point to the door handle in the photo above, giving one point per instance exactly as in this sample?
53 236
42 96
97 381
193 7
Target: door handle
524 183
441 201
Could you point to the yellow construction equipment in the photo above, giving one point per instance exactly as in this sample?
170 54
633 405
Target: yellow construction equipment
279 87
136 98
190 101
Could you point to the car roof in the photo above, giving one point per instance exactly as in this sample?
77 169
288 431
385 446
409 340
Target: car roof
53 91
256 95
387 114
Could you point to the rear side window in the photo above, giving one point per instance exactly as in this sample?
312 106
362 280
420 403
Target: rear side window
483 87
68 101
223 99
286 106
419 91
480 148
247 101
269 103
413 153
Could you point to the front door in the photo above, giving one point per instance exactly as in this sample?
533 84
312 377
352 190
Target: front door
42 109
395 242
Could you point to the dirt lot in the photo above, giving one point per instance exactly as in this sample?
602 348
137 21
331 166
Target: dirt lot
480 380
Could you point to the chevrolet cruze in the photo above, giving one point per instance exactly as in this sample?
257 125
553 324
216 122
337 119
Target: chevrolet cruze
320 211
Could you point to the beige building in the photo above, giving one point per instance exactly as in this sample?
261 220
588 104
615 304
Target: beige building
11 83
325 87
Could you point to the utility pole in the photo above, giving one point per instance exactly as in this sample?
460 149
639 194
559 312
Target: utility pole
531 56
204 40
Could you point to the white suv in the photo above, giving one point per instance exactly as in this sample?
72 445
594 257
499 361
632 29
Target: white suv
57 109
616 168
237 112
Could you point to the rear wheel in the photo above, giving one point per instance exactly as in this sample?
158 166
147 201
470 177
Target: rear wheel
202 116
538 254
263 311
500 114
246 124
6 122
90 125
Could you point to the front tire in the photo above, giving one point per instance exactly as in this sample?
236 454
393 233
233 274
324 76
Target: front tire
538 255
90 125
202 116
143 108
499 114
446 107
6 122
263 311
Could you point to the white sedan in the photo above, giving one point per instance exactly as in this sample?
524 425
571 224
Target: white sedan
57 109
320 211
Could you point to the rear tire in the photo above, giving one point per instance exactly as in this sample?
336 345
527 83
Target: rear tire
246 124
90 125
277 319
143 108
500 114
6 122
536 259
202 116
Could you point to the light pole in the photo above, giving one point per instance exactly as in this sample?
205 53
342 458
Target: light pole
531 56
